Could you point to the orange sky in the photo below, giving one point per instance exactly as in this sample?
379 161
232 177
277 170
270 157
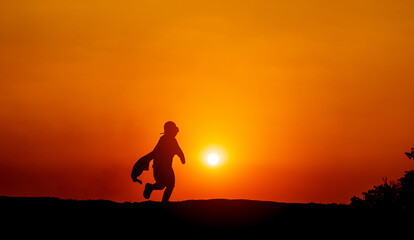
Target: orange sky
312 101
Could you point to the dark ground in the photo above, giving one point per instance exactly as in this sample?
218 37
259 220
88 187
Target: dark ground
195 218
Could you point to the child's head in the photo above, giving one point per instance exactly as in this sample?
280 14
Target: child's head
170 129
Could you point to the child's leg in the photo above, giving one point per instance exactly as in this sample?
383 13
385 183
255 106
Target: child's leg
167 193
151 187
170 186
158 186
164 177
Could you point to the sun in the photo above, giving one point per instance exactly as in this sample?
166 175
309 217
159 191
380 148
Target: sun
214 156
213 159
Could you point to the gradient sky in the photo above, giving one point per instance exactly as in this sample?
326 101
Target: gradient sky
309 101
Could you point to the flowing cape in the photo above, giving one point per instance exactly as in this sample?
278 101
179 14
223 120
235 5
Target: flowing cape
141 165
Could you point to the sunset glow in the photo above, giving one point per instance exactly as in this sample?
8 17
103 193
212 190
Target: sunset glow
292 101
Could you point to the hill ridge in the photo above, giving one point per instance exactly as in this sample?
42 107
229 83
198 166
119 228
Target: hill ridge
211 214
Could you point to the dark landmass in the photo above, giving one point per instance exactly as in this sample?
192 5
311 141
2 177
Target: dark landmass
101 217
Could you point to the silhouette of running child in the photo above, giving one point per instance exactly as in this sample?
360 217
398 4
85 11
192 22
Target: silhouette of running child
162 154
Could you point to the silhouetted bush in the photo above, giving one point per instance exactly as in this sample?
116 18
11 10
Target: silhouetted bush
406 190
389 194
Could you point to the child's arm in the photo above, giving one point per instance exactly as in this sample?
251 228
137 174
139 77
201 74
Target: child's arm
180 154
